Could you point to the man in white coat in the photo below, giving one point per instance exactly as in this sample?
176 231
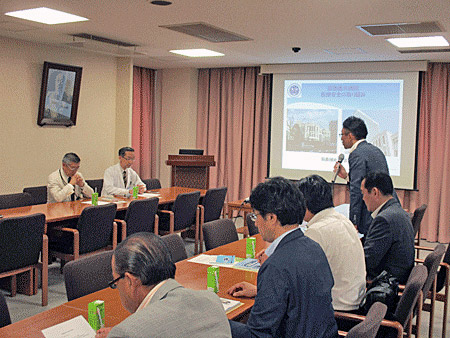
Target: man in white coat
120 179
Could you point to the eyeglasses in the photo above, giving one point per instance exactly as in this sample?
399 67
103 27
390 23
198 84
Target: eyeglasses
113 284
345 134
254 216
72 168
129 159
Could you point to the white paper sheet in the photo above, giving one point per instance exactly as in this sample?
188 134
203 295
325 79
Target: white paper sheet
77 327
99 202
149 195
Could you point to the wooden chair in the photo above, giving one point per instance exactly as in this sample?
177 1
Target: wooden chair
404 312
22 241
96 184
185 212
369 327
176 247
38 194
21 199
152 183
87 274
416 220
219 232
211 207
442 293
93 232
141 216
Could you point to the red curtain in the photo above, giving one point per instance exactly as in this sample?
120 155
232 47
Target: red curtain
233 125
143 122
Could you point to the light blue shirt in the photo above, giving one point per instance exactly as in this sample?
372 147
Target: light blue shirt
277 241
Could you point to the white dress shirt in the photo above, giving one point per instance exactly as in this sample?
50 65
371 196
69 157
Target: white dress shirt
113 181
60 190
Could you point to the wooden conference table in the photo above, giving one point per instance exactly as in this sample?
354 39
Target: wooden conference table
56 212
191 275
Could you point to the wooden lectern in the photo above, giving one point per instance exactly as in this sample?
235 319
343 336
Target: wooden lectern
191 171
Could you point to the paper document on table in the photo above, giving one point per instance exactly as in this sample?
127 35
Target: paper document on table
250 264
149 195
77 327
204 259
230 304
99 202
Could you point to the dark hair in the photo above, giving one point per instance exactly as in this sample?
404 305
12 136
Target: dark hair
281 197
317 193
123 150
71 158
145 256
379 180
356 126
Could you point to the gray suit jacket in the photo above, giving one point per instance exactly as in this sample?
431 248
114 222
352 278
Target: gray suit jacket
175 311
364 159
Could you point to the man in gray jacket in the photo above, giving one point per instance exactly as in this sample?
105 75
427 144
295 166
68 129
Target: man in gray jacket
144 272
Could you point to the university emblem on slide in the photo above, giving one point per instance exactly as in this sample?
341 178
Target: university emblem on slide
294 90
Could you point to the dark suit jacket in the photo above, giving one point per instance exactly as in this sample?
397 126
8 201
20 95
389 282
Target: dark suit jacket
364 159
389 243
294 293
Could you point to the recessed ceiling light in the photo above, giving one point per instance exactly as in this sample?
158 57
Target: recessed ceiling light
424 41
196 53
46 15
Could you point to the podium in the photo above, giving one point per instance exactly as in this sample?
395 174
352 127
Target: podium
191 171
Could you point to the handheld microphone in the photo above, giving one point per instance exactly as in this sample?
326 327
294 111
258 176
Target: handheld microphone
340 159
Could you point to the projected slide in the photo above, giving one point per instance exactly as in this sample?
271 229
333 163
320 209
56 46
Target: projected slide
314 110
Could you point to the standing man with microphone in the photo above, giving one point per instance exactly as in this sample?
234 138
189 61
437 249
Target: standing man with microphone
364 158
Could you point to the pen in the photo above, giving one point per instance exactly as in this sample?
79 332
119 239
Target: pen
100 318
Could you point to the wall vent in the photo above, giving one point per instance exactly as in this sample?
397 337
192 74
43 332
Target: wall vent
104 40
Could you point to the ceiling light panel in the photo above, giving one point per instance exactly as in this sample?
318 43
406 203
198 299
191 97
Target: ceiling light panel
423 41
195 53
46 15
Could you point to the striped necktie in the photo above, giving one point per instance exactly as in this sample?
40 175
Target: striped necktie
124 174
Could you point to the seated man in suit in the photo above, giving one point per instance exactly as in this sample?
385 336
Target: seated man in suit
120 179
339 240
144 272
67 183
293 292
389 241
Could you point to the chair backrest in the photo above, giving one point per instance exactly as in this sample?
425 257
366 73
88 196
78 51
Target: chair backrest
442 272
20 241
410 294
38 194
369 327
219 232
87 274
184 209
140 216
95 226
152 183
5 318
252 228
21 199
176 247
417 217
213 203
432 262
96 184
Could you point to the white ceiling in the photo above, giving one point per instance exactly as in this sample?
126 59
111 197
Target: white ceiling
274 27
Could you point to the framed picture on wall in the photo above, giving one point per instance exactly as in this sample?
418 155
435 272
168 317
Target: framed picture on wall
60 91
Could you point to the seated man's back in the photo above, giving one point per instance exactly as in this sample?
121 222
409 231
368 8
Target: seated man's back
175 311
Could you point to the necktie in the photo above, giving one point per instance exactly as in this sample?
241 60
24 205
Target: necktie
72 197
124 174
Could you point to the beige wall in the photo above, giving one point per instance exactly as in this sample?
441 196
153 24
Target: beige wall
29 152
178 114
